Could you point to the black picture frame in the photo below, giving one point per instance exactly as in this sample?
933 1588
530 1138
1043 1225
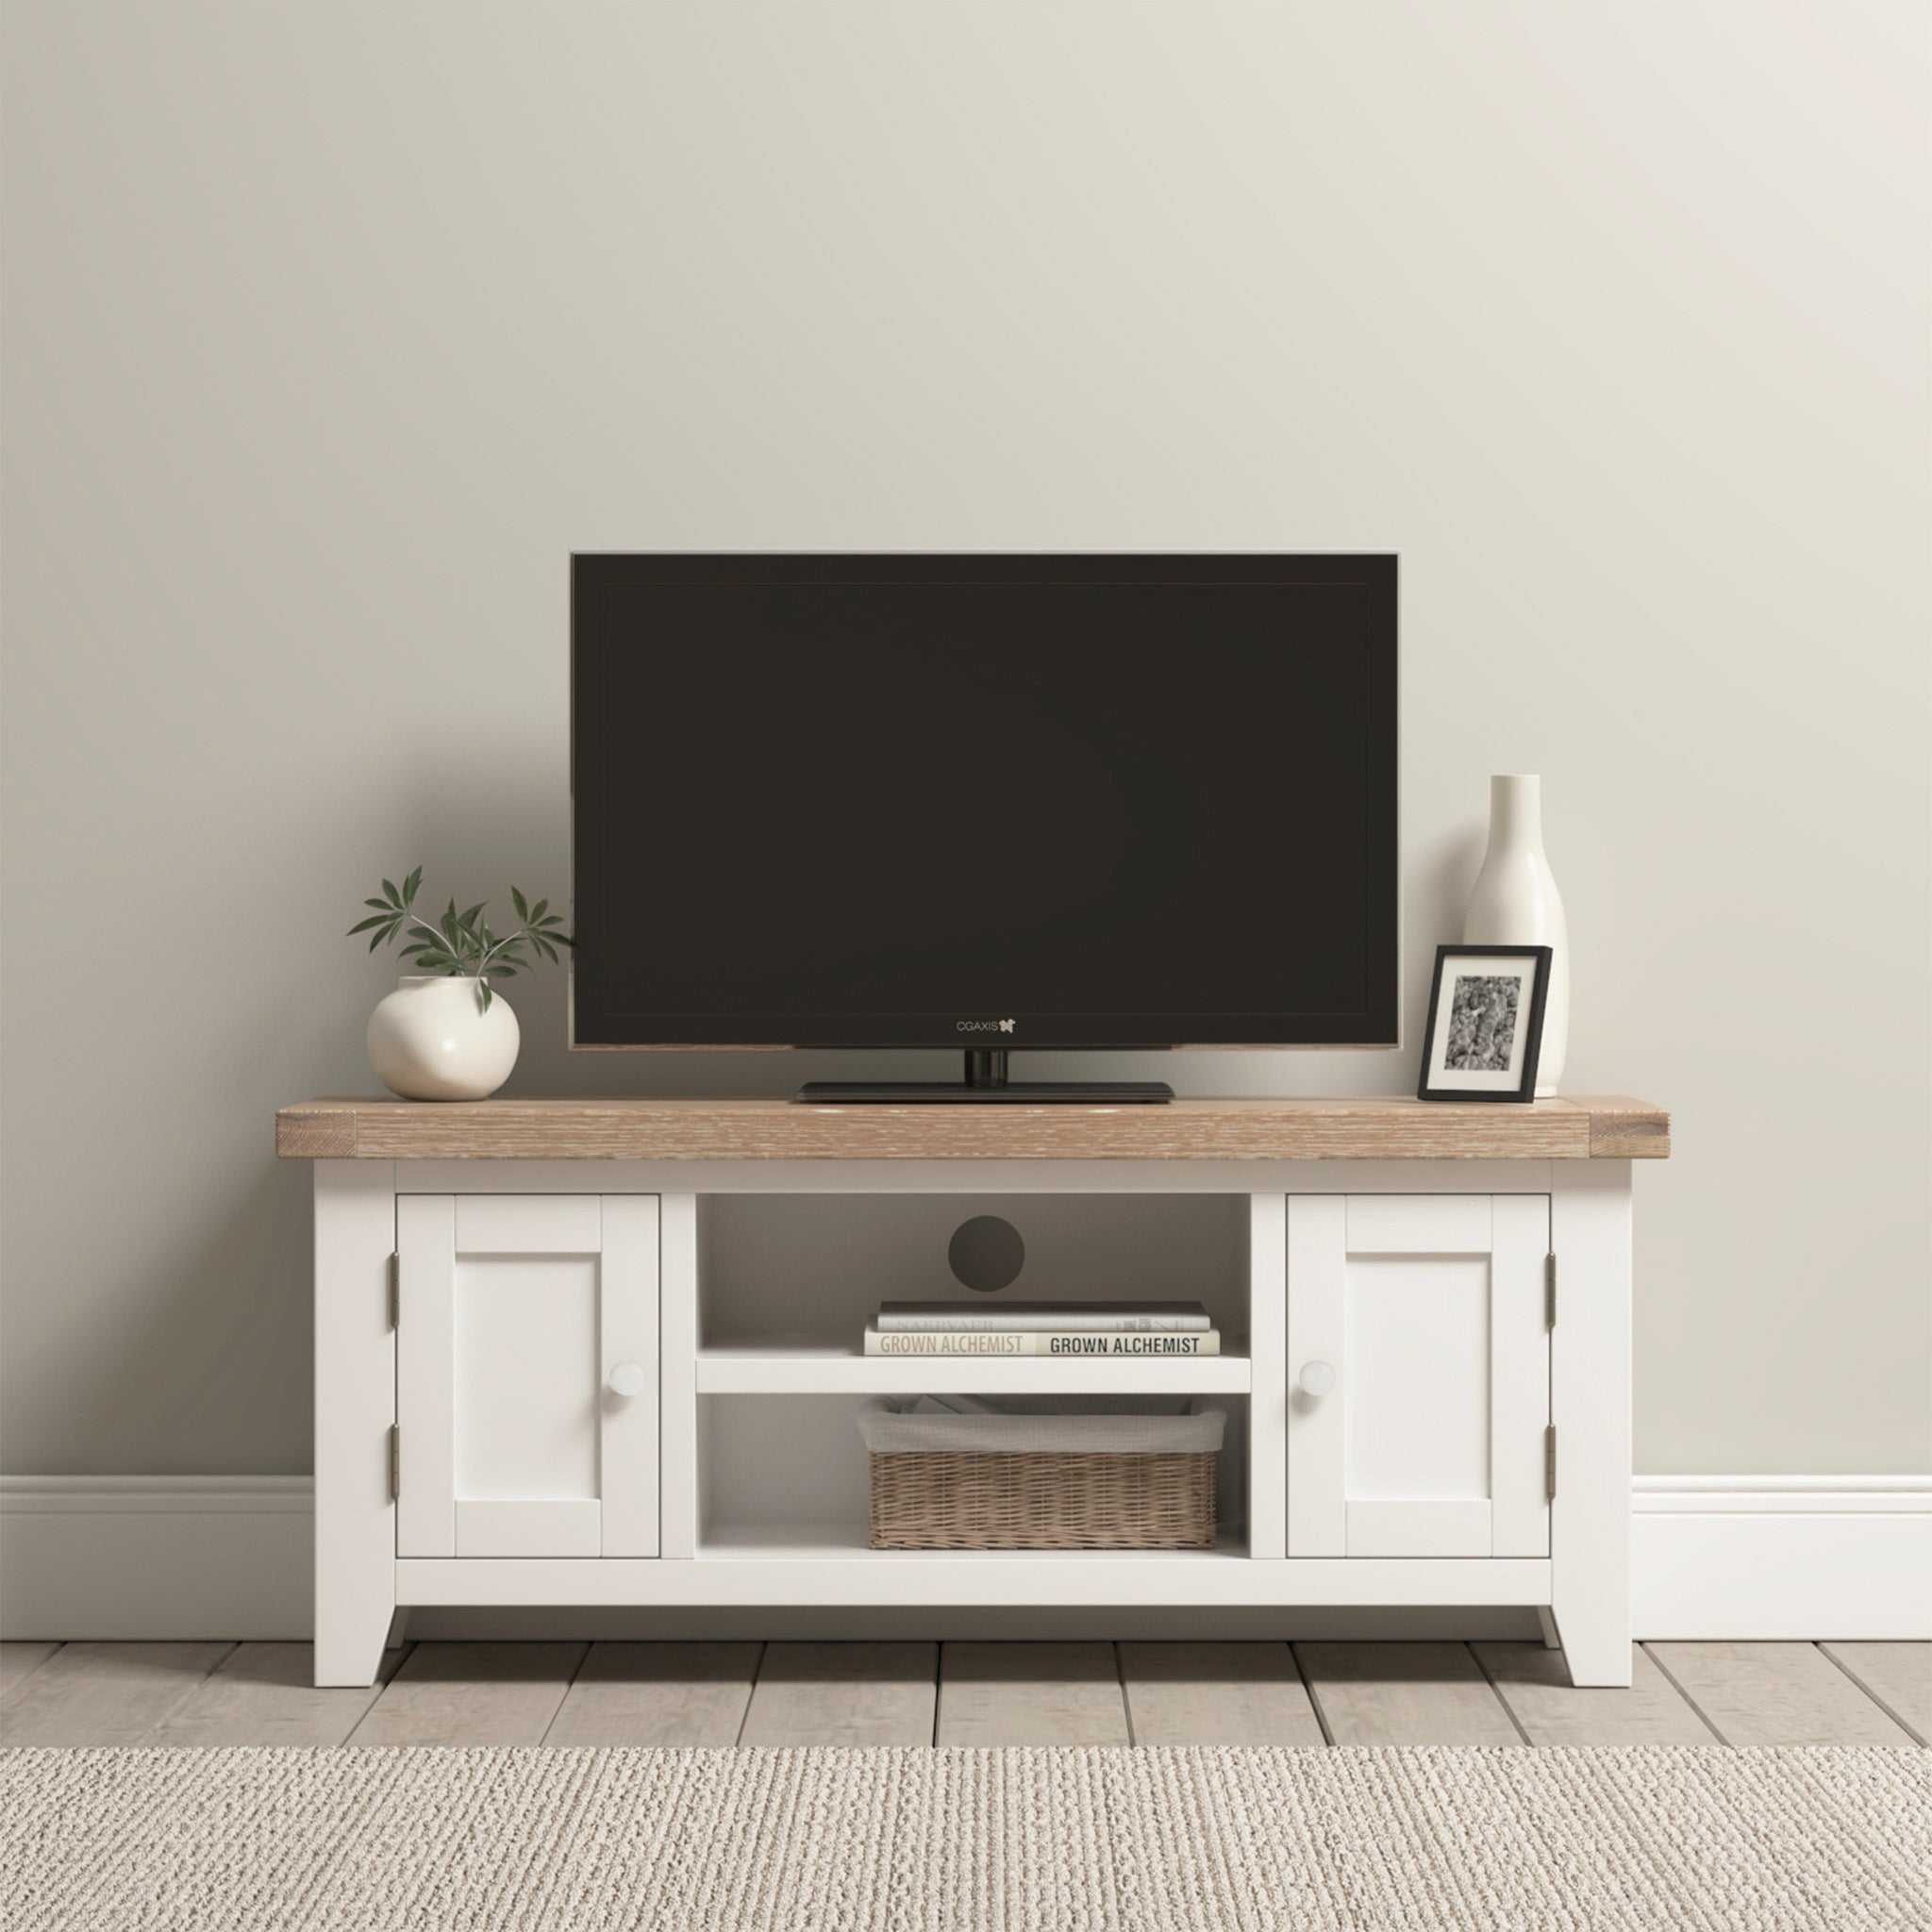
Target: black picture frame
1540 957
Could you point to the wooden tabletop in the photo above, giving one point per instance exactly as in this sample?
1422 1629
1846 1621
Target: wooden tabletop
1353 1129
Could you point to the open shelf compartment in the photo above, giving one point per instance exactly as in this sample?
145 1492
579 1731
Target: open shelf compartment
788 1282
788 1475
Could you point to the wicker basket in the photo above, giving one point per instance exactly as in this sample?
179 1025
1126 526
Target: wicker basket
1123 1476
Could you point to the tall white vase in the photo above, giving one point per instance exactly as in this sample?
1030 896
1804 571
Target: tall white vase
1515 903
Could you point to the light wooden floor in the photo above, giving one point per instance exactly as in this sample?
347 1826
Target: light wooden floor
966 1693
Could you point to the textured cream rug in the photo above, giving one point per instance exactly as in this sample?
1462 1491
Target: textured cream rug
904 1840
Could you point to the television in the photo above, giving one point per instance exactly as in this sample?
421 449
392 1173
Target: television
992 802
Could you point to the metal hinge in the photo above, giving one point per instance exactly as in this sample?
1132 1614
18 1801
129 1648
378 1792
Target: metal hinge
395 1291
1549 1462
395 1463
1549 1291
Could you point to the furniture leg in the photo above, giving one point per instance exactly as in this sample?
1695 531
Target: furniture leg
355 1411
1590 1400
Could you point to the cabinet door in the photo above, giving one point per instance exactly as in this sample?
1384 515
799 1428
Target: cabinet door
1419 1376
526 1362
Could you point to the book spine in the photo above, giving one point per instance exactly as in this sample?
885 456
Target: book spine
1063 1343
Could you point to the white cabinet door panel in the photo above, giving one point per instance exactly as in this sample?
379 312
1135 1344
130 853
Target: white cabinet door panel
1419 1223
515 1313
1415 1392
556 1528
525 1375
1518 1375
1436 1528
1317 1256
1418 1370
529 1224
628 1439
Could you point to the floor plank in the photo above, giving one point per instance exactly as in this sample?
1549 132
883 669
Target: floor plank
19 1660
1899 1676
658 1693
264 1693
1216 1693
1030 1693
472 1693
105 1693
973 1693
1403 1693
844 1693
1775 1693
1535 1684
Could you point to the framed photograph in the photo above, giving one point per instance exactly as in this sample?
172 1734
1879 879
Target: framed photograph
1485 1022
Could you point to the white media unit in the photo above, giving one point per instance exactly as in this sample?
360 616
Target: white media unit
585 1352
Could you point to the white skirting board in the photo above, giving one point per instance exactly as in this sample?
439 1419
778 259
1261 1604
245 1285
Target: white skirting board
122 1558
157 1558
1781 1556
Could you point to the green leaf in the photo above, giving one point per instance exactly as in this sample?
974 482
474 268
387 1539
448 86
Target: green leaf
410 884
363 924
483 989
538 910
470 917
516 899
501 972
395 898
380 905
548 951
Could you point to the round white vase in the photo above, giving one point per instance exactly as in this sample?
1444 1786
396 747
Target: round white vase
431 1040
1515 903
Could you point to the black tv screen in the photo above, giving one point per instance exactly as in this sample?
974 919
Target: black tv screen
1014 800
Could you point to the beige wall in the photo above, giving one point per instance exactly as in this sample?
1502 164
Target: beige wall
331 330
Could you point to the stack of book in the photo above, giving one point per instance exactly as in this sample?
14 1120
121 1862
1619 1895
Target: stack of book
1154 1330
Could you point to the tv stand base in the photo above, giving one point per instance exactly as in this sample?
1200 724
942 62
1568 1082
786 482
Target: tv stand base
1015 1093
986 1080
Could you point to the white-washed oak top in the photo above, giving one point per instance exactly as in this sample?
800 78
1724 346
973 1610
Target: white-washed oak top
1352 1129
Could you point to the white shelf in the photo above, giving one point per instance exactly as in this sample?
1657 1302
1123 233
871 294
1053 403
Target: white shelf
732 1542
779 1365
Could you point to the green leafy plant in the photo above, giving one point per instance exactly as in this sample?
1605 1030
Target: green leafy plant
460 944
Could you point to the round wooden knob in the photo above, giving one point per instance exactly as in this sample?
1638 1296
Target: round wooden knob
1317 1378
627 1378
